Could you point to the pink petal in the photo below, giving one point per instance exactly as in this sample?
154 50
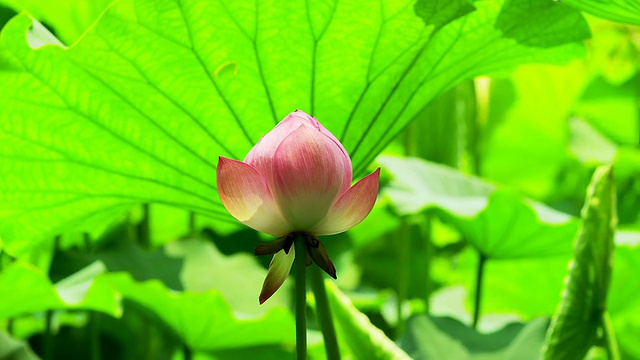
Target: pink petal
262 154
278 271
310 171
245 194
351 208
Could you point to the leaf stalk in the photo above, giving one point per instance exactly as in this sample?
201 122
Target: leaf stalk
301 296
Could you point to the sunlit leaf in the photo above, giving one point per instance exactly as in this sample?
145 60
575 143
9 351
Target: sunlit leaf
12 349
423 340
364 340
589 145
31 291
141 107
541 22
439 13
242 280
446 338
507 284
205 321
626 11
611 110
497 223
69 18
574 328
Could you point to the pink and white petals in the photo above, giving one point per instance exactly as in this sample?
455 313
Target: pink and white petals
278 272
296 181
247 197
309 172
262 155
351 208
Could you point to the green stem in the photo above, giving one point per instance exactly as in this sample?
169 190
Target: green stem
301 297
478 295
323 311
404 253
143 228
47 342
94 326
10 320
613 353
187 354
467 93
425 238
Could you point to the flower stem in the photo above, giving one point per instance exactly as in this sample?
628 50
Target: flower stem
427 251
323 311
301 297
94 335
48 336
404 271
143 228
478 295
613 353
187 353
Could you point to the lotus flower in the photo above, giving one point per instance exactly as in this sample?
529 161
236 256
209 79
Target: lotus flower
295 181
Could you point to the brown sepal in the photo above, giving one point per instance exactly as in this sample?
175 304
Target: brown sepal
317 252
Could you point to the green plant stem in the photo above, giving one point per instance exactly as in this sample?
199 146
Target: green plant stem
47 341
187 354
144 228
404 263
10 320
613 353
94 328
323 311
467 93
427 251
301 297
478 295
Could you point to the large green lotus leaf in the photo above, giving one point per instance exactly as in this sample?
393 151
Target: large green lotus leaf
69 18
140 109
612 110
28 290
439 13
204 320
498 223
242 280
5 15
446 338
12 349
362 338
507 284
575 325
541 23
626 11
588 145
